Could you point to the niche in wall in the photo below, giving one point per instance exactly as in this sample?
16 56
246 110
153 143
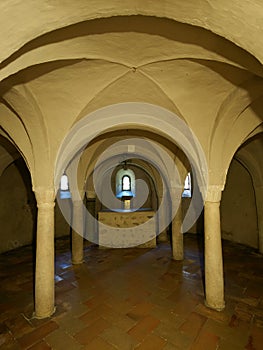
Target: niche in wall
238 207
17 206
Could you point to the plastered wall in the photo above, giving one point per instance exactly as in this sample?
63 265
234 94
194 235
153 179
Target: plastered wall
238 207
18 209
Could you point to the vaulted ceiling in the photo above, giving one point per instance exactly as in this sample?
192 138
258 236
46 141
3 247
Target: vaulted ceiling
63 60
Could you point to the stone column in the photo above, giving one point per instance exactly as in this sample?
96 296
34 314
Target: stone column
259 203
77 232
214 280
90 222
44 277
177 235
162 219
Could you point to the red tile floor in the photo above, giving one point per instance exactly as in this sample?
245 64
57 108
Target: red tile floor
133 299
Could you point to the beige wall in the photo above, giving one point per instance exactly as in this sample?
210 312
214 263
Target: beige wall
18 209
238 207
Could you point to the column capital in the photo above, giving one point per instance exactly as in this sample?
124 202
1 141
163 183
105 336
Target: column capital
214 193
45 196
77 203
91 194
77 195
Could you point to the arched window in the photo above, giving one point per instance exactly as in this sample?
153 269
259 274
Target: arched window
187 187
64 183
126 183
64 187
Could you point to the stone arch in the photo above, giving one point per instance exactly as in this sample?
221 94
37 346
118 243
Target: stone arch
142 116
210 17
139 115
238 119
249 155
131 165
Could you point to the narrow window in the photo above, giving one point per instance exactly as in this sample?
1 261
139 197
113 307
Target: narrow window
126 183
187 187
64 183
64 187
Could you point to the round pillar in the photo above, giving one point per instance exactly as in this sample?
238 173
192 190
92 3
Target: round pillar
214 280
163 219
44 276
77 232
177 235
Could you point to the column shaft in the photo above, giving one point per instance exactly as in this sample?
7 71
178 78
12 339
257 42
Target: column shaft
177 235
44 278
214 281
163 221
77 233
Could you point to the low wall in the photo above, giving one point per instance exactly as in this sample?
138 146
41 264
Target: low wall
127 229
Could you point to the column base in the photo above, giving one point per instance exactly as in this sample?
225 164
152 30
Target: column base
178 258
163 237
77 262
216 307
40 317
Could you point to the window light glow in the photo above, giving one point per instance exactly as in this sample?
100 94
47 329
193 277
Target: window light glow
64 183
187 187
126 183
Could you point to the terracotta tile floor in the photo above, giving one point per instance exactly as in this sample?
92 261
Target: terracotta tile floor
133 299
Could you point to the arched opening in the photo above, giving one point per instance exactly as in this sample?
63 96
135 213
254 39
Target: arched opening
126 183
113 205
187 186
240 206
173 130
64 191
17 199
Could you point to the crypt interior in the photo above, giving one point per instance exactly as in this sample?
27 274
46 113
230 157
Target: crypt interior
117 120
